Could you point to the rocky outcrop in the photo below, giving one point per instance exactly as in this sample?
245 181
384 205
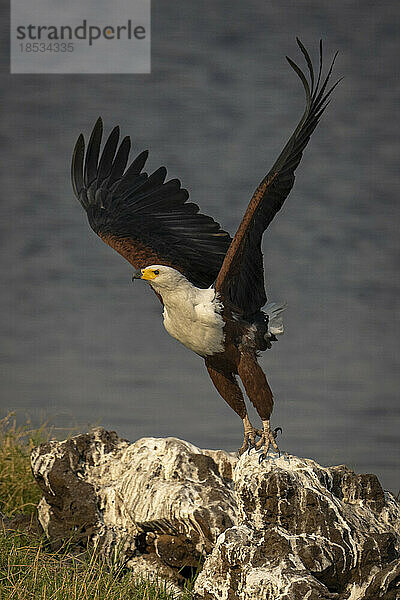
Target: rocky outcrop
287 529
162 499
304 531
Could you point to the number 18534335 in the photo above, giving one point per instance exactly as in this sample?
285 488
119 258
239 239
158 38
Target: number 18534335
46 47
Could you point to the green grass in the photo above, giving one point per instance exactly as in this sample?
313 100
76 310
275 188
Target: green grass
18 490
28 571
29 568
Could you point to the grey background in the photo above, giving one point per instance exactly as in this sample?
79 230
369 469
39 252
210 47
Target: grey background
81 346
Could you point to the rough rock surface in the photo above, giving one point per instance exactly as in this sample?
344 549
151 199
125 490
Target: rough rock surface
305 531
287 529
160 497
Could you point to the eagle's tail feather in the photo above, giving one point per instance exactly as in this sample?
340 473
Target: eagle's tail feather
275 318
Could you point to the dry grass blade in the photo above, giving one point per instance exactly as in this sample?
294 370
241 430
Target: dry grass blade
28 569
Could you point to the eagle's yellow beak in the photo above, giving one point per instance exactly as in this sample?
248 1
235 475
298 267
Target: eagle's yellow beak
148 274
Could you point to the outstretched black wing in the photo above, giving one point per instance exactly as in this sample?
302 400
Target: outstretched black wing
145 218
241 278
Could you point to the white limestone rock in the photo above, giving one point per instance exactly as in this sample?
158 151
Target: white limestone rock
287 529
305 531
114 493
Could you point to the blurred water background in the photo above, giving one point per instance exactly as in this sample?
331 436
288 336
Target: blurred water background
81 346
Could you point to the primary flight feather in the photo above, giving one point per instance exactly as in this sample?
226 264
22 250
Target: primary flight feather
211 286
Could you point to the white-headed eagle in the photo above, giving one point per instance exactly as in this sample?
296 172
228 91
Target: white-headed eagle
211 286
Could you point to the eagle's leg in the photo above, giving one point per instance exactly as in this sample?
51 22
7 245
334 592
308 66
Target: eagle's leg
250 434
260 394
227 386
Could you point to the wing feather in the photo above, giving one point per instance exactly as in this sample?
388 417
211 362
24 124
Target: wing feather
77 167
241 278
107 157
120 161
92 155
144 217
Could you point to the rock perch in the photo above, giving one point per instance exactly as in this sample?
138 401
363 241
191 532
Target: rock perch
288 529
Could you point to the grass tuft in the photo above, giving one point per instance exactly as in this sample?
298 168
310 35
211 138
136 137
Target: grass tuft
29 569
18 490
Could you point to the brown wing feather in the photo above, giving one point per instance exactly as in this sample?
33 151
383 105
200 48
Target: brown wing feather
145 218
241 277
137 254
232 261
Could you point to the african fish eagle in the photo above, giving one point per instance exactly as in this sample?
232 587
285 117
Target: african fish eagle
211 286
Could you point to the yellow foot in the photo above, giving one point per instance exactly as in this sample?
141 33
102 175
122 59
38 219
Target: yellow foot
250 434
268 438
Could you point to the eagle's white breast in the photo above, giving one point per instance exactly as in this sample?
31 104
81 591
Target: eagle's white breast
193 317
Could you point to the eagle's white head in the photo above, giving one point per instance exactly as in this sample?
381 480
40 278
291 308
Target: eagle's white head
162 279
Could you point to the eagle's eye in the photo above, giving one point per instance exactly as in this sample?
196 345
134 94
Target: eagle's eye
156 272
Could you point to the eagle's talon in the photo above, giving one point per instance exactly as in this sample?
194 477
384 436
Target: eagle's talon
268 439
252 444
250 435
